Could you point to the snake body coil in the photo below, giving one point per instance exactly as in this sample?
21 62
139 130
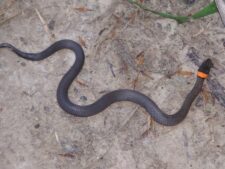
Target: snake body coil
114 96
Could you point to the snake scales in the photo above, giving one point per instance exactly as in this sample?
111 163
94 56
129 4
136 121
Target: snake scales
115 96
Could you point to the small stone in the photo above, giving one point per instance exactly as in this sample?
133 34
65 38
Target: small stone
70 148
199 102
223 41
23 64
83 98
51 24
32 108
37 126
189 2
46 108
23 40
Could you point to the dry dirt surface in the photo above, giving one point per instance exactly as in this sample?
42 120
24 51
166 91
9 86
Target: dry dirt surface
125 47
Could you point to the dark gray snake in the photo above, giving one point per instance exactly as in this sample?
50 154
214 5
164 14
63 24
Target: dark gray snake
114 96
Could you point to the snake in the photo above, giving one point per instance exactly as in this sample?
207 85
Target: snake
114 96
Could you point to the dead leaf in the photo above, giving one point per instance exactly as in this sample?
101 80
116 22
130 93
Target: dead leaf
118 19
2 21
150 125
82 42
5 5
124 67
83 9
206 96
112 34
132 17
135 81
184 73
145 74
80 82
145 134
67 155
140 58
213 99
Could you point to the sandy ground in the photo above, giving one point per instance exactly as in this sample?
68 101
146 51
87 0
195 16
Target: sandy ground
125 47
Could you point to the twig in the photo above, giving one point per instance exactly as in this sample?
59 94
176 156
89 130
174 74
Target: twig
129 117
111 68
6 7
57 138
136 81
150 126
44 24
8 19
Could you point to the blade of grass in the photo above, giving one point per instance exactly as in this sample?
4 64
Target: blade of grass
179 19
209 9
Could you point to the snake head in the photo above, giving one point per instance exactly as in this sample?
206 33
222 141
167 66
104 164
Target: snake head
206 66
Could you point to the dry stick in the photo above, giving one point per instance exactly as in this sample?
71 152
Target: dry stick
111 68
135 81
6 7
8 19
131 114
44 24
